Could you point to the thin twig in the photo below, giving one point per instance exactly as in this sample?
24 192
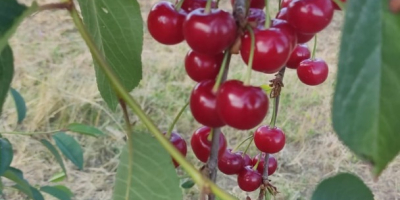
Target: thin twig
56 6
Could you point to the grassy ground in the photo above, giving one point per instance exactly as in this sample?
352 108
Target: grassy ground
55 75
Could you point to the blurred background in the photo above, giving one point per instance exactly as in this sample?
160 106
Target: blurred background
54 73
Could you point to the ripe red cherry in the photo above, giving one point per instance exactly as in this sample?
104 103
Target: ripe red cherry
209 33
246 159
240 106
282 14
310 16
249 179
165 23
312 72
202 67
230 162
179 143
202 146
300 53
336 6
203 104
303 38
260 4
272 164
285 3
271 51
287 29
190 5
269 140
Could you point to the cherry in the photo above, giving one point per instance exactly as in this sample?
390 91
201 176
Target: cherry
165 23
271 51
240 106
310 16
282 14
202 67
300 53
202 146
249 179
272 164
303 38
269 140
209 33
230 162
203 104
256 16
336 6
312 71
179 143
190 5
246 159
260 4
285 3
287 29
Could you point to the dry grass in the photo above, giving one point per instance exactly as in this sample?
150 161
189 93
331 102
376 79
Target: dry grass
55 75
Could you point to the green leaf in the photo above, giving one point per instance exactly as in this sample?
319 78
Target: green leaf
16 176
58 177
70 148
6 155
11 15
56 192
1 186
187 183
19 104
65 189
6 73
148 174
85 129
117 29
342 187
56 154
366 102
36 195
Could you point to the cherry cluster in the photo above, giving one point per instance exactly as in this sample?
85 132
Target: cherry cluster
265 45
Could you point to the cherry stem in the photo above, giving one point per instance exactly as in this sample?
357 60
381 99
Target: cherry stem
208 7
280 4
251 58
210 136
241 143
341 5
258 162
222 72
171 127
247 148
179 5
315 47
267 16
275 108
212 163
264 178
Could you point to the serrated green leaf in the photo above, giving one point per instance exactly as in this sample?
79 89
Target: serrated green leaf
117 29
58 177
6 73
148 174
85 129
343 186
16 176
187 183
19 104
6 155
70 148
11 15
366 102
56 192
55 153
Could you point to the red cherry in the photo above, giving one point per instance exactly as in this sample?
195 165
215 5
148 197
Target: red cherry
312 72
272 164
179 143
282 14
240 106
287 29
202 146
249 180
336 6
165 23
202 67
203 104
260 4
256 15
285 3
209 33
190 5
246 158
303 38
269 140
271 51
300 53
230 162
310 16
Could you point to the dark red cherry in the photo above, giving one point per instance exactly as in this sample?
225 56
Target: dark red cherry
203 104
312 72
287 29
165 23
310 16
256 15
269 140
285 3
272 50
246 158
202 146
240 106
230 162
179 143
260 4
336 6
303 38
202 67
282 14
272 164
209 33
190 5
249 180
300 53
